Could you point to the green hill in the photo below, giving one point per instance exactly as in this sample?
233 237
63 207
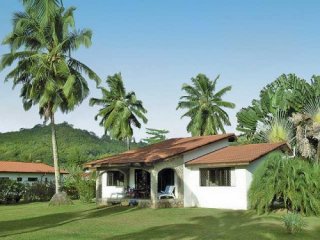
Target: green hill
75 146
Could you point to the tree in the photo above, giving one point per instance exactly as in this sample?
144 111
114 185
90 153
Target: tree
290 182
205 106
298 102
155 135
121 110
288 94
41 45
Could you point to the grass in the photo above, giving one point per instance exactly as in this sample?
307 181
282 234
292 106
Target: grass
85 221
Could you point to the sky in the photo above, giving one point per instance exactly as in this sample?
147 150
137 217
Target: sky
159 45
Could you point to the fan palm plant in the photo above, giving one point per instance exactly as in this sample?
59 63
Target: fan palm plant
47 73
277 129
120 110
204 106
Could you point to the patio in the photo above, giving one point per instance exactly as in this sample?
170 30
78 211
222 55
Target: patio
140 184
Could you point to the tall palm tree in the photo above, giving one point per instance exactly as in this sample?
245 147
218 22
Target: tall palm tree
204 106
41 46
120 110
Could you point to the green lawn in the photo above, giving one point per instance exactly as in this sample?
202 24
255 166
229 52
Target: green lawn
80 221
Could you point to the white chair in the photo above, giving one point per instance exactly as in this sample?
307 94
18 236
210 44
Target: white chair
168 192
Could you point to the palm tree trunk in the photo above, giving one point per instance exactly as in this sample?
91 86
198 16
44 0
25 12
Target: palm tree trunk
128 142
55 154
318 153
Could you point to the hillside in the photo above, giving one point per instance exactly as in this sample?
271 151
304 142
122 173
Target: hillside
75 146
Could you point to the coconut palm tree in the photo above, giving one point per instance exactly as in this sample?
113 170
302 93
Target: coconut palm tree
205 106
120 110
46 71
155 135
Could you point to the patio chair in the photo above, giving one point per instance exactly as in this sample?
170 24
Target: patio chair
167 193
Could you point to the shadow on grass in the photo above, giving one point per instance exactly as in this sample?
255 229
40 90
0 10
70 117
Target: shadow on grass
229 225
28 225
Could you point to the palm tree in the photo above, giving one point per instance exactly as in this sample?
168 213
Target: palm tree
205 106
120 110
155 135
50 77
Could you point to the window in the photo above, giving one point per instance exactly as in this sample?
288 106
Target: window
115 178
215 177
4 178
32 179
19 179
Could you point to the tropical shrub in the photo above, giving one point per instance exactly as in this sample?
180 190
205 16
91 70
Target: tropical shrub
289 183
39 191
71 190
83 183
11 191
293 222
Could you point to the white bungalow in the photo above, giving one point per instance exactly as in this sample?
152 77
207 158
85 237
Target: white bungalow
205 172
27 172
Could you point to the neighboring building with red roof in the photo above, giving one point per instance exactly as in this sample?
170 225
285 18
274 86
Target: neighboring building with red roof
202 171
27 172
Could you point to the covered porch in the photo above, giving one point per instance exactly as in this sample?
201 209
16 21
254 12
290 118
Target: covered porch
140 184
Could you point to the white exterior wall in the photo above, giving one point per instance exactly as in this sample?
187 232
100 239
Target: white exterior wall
25 176
233 197
107 191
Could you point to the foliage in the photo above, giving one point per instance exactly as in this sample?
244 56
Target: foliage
84 183
293 222
298 102
75 146
155 135
308 130
11 191
292 183
288 93
50 77
39 191
69 188
41 43
277 129
120 109
204 106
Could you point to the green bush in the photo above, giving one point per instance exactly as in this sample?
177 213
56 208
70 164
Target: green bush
71 191
288 183
39 191
293 222
84 183
11 191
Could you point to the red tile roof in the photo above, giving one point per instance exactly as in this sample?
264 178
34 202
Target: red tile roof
241 154
26 167
161 151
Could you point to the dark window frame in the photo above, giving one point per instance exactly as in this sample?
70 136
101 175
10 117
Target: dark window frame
215 177
115 179
33 179
19 179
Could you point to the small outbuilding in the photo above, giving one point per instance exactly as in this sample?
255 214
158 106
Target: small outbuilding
27 172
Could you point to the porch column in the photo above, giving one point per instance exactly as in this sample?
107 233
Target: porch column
99 187
154 187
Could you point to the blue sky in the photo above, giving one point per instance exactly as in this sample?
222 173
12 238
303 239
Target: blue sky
159 45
